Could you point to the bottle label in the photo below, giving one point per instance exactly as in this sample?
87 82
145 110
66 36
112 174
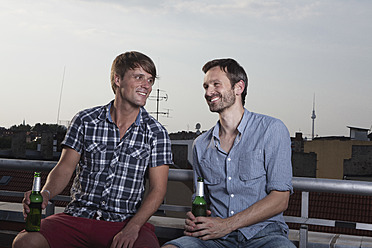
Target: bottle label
200 189
37 184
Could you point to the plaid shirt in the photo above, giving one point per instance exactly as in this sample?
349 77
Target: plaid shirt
110 177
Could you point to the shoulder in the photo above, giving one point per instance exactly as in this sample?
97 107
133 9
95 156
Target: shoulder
91 114
265 122
204 139
151 125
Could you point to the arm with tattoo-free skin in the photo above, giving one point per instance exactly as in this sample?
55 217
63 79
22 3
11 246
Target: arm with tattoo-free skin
57 179
158 179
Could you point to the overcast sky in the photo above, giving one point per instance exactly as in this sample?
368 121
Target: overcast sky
291 50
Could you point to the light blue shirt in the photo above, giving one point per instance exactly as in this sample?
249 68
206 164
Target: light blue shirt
258 162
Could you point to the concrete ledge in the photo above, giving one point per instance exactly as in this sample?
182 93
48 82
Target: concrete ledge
317 239
170 228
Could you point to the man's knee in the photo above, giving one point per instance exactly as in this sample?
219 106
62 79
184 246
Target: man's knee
26 239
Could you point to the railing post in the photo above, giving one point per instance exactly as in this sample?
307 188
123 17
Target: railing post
50 209
304 214
303 236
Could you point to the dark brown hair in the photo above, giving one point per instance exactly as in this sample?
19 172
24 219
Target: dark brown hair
234 72
131 60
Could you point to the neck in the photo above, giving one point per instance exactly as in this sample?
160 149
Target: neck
123 116
230 119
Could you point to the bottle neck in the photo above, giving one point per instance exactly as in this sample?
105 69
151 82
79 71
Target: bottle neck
200 189
37 184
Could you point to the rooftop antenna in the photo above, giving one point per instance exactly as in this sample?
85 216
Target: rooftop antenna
160 96
313 116
60 94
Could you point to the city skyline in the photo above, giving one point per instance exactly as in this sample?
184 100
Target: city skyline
290 50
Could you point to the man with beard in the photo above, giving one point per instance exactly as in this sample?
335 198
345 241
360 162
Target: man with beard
111 148
245 160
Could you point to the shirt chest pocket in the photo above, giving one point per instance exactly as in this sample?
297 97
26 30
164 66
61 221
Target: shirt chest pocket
252 166
210 172
94 156
136 159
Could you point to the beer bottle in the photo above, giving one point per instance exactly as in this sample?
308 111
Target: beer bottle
34 216
199 205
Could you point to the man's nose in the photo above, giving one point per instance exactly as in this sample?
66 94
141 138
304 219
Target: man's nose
209 91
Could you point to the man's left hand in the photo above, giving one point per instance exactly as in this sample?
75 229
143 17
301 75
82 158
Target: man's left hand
125 238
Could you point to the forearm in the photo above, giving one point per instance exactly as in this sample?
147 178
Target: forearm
57 180
149 206
273 204
61 174
158 179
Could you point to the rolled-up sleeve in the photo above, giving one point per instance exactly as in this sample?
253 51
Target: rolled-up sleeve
278 157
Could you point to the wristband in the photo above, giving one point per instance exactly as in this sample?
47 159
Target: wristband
47 192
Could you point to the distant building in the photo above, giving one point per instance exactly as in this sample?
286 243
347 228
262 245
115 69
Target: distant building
357 133
337 156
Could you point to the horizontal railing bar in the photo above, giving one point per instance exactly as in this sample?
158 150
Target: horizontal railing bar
176 208
38 165
332 186
325 222
299 183
180 175
12 193
30 165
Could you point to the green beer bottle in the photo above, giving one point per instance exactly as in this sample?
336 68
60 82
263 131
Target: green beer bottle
199 205
34 216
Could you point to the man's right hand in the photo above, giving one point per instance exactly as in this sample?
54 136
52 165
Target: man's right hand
191 222
206 228
26 202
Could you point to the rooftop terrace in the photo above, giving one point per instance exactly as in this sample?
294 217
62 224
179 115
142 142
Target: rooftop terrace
321 213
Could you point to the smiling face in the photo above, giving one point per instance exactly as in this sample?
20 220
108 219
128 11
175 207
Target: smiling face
218 91
135 87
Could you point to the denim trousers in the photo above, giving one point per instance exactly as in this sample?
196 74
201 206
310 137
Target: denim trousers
272 236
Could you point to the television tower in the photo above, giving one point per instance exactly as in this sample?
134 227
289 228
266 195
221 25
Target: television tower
313 116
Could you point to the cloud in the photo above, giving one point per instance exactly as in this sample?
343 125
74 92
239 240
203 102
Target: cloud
274 10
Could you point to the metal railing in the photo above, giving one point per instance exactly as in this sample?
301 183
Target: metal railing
305 185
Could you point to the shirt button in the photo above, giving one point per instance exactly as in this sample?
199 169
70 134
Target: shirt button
229 178
232 195
232 212
108 184
103 202
229 159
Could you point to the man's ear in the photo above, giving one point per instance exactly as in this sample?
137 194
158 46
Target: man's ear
239 87
117 79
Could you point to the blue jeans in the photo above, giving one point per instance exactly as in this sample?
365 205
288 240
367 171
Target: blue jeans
272 236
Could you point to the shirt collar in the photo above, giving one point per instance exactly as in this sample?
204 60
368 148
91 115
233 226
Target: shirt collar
138 119
244 121
241 126
106 115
